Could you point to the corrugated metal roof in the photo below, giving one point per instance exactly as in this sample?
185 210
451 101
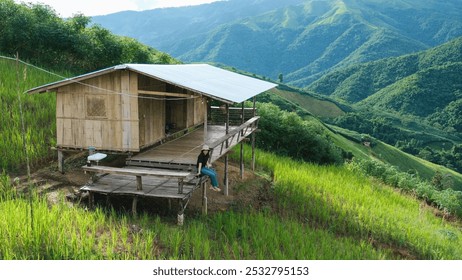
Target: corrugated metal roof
205 79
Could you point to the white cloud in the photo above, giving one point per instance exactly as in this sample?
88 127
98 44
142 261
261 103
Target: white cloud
102 7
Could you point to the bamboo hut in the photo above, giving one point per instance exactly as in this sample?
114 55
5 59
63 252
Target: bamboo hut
131 107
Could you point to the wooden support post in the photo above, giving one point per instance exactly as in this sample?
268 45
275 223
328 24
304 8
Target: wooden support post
253 151
139 183
226 191
180 185
180 213
204 197
61 161
241 165
241 158
91 200
205 119
254 135
134 205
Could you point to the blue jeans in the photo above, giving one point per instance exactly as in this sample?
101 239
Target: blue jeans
212 174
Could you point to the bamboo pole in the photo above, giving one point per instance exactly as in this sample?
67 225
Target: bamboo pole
241 156
253 135
205 119
24 143
204 197
226 191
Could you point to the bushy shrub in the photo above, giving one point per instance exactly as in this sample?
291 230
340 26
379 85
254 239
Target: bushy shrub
448 200
288 134
425 191
6 188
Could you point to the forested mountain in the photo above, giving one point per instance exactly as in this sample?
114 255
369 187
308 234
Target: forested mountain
426 85
300 39
37 34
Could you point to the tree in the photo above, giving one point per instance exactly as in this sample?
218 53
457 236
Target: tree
281 77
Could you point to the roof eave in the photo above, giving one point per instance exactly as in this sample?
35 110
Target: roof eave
52 86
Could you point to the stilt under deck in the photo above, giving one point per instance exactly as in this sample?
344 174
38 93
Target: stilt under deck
168 170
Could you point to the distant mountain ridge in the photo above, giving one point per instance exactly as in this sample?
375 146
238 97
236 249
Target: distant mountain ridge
301 39
423 84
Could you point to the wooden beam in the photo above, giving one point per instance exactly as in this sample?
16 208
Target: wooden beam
134 206
61 161
204 197
234 131
163 93
139 183
137 172
241 155
253 134
205 119
226 191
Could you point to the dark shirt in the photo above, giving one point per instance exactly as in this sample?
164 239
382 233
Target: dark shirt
202 158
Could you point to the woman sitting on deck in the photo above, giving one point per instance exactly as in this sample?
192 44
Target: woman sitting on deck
203 167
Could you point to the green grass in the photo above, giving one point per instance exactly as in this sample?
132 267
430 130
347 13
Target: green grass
337 199
39 115
390 155
318 107
319 212
62 232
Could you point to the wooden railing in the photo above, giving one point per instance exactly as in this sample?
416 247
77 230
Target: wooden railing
222 145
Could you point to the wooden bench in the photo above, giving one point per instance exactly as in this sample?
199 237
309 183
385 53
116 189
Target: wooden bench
187 178
139 173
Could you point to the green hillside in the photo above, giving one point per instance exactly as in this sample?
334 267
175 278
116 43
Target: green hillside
316 105
411 102
306 212
352 142
360 81
422 94
39 115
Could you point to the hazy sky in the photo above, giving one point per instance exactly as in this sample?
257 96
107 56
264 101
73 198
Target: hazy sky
102 7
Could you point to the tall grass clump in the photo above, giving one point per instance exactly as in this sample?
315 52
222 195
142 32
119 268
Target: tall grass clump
7 191
39 115
448 200
347 203
61 232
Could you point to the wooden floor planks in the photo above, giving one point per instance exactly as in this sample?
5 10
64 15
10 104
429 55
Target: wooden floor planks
183 150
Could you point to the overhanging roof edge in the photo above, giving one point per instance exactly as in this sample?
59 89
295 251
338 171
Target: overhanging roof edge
48 87
178 85
264 86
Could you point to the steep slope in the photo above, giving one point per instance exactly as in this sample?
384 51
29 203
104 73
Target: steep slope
301 39
357 82
421 94
426 85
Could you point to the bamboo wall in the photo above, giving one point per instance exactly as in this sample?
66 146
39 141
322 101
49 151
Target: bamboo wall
116 119
155 112
88 116
152 120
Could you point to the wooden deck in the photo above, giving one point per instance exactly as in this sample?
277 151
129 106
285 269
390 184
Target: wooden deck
182 152
153 186
168 170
